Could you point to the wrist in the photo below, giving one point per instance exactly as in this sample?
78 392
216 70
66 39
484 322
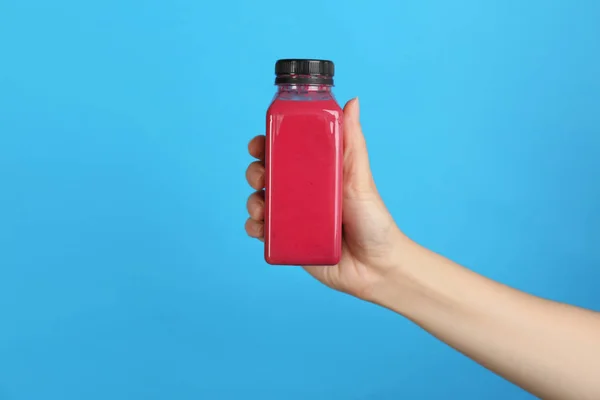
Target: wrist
424 284
399 285
417 282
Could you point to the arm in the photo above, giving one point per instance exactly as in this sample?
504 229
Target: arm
548 348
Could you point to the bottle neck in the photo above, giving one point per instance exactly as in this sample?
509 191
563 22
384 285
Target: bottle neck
303 88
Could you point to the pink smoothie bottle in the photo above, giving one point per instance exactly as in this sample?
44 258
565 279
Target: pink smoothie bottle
304 153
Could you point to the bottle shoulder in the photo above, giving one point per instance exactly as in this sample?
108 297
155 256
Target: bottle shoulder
284 106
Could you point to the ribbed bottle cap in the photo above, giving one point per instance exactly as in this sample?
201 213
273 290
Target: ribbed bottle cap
303 71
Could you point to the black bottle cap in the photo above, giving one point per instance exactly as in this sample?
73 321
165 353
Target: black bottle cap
304 72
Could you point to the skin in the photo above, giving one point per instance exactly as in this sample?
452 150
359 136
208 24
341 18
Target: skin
549 349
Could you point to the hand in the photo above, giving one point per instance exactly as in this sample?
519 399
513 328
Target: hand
370 237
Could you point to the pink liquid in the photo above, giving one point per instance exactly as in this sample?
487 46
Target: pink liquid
303 217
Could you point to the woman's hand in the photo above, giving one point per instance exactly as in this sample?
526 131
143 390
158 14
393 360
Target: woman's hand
371 238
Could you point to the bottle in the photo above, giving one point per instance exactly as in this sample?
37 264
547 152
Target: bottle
304 154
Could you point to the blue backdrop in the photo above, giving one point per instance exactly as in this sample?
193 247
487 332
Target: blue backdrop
125 272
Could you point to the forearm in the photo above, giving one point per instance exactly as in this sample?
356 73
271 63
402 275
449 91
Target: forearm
548 348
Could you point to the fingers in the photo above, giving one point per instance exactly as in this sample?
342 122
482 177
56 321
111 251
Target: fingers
256 147
256 206
255 226
255 229
255 175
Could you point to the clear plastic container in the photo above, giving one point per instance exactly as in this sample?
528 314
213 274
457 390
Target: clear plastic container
304 154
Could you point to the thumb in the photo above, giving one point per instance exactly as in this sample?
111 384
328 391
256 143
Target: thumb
358 181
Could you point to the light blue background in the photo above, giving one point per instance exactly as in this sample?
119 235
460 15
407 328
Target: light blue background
124 269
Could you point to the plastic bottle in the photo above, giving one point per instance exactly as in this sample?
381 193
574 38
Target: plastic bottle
304 154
